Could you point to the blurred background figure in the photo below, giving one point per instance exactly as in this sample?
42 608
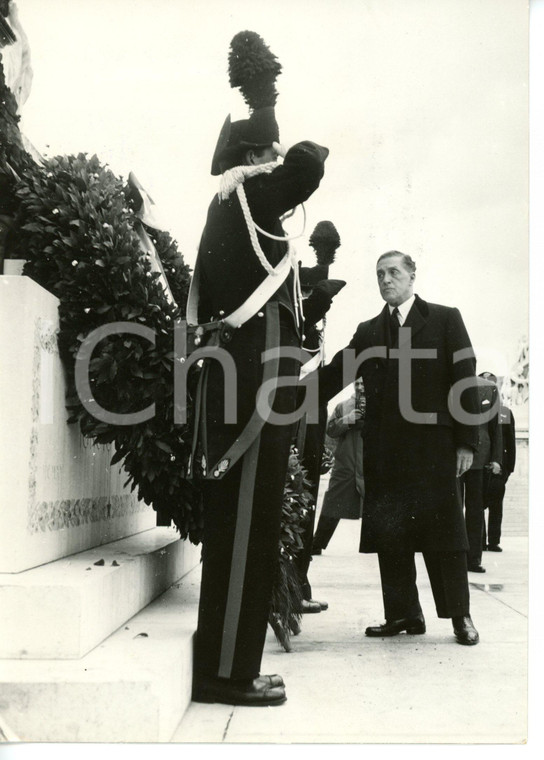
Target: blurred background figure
495 483
487 458
344 496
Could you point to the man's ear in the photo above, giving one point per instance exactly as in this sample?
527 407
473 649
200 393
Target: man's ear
250 157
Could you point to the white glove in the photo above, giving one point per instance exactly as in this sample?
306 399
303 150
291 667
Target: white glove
280 149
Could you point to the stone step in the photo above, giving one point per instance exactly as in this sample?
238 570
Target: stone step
64 609
134 687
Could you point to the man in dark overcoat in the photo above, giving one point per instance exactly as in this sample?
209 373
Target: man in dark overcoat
488 457
416 443
495 482
242 464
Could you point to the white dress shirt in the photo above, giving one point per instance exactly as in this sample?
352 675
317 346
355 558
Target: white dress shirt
404 308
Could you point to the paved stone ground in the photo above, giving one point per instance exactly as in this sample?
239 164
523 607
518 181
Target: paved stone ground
343 687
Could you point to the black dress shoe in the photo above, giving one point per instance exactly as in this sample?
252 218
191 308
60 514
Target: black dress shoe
310 607
475 569
257 693
464 631
494 548
323 605
412 626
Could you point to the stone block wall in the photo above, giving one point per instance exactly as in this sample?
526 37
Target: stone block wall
58 493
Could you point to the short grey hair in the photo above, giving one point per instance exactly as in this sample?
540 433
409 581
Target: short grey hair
409 263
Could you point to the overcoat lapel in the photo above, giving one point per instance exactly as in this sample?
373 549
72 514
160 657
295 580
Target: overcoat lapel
380 332
416 320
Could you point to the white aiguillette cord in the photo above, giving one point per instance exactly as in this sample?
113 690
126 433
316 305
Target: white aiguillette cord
260 296
231 180
252 229
238 174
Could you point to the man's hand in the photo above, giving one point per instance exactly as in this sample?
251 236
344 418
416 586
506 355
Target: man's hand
464 459
354 416
280 149
494 467
331 288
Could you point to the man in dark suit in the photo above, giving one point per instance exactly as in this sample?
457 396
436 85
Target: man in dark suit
488 457
417 441
495 482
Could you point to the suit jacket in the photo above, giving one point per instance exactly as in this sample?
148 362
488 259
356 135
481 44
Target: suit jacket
412 495
490 432
507 425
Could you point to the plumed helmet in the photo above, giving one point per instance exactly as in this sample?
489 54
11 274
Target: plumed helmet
325 240
253 68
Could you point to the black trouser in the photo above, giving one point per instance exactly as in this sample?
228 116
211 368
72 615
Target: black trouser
473 485
311 456
494 490
447 573
324 531
240 545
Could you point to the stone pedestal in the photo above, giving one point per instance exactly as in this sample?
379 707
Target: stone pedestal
79 557
58 493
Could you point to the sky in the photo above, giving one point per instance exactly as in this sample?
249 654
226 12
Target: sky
423 105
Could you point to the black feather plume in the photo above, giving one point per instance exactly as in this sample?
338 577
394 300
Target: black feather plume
254 69
325 240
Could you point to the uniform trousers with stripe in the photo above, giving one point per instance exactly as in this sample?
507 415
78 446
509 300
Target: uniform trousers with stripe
447 573
240 546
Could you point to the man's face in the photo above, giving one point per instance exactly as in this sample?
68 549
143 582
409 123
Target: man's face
395 281
262 156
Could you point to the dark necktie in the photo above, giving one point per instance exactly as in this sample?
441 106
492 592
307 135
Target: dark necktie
394 326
